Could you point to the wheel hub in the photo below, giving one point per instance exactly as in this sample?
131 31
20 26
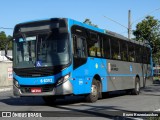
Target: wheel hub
137 86
94 90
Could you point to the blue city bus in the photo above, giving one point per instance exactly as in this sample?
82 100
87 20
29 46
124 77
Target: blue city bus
60 56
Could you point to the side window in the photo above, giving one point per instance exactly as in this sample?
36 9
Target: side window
124 50
95 46
138 54
106 52
148 55
131 51
79 47
115 49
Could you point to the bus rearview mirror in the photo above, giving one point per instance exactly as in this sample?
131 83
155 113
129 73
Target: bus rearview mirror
6 51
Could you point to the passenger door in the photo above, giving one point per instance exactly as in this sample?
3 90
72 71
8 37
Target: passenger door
79 51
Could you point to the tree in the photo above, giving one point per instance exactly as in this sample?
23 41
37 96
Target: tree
9 38
4 39
88 21
149 30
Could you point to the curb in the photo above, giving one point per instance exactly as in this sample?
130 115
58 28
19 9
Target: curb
3 89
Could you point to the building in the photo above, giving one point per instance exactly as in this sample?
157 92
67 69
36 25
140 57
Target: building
2 55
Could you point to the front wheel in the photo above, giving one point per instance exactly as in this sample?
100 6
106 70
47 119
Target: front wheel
93 96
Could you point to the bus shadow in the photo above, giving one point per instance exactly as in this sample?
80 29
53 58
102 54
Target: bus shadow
68 100
22 101
153 90
111 112
38 101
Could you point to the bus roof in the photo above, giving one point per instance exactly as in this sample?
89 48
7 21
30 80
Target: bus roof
103 31
107 32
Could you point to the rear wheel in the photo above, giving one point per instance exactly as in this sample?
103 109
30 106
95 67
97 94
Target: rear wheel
136 90
49 100
93 96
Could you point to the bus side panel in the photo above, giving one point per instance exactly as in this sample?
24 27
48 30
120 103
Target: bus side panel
84 74
148 75
121 75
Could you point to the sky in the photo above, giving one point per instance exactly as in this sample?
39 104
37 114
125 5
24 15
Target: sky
13 12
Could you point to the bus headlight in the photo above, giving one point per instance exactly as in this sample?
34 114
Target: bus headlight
15 82
63 79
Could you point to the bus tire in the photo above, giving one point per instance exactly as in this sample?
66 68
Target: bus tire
99 89
49 100
93 96
136 90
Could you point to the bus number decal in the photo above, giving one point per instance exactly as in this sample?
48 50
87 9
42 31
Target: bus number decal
46 80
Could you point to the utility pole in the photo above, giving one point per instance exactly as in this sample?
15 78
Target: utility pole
129 24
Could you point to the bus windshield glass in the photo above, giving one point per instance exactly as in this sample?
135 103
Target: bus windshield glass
41 50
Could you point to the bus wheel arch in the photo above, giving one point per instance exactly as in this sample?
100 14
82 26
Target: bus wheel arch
137 76
98 79
96 91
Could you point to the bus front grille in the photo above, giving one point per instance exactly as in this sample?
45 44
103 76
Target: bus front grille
27 89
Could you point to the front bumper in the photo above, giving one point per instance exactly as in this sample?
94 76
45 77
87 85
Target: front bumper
63 89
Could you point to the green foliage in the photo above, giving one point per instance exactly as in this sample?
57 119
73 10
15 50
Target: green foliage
10 38
149 30
88 21
4 39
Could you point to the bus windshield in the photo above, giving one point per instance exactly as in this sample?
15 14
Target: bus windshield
41 50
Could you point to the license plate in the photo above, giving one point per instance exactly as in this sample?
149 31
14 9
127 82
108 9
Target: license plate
36 90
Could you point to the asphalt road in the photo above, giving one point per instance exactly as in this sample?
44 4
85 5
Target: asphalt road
112 107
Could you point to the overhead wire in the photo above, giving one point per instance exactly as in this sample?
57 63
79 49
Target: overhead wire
6 28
